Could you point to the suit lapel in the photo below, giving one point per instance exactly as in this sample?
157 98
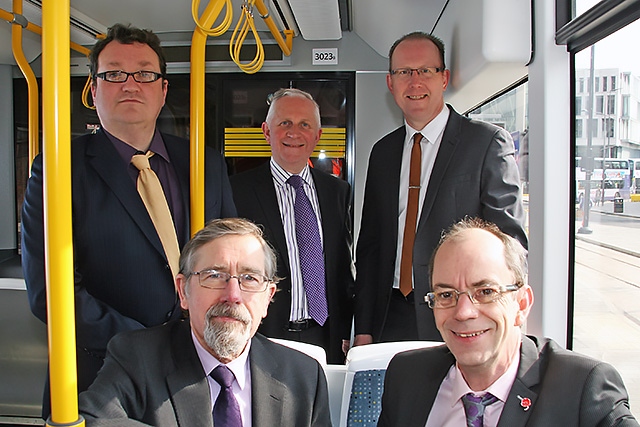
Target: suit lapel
265 194
425 395
188 386
182 166
517 409
267 393
450 139
104 159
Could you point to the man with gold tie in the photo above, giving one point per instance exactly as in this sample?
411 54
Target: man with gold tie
127 233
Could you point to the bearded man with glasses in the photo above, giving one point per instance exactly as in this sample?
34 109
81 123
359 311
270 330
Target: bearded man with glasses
489 373
165 376
125 263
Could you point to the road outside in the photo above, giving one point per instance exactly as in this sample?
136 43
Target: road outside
607 291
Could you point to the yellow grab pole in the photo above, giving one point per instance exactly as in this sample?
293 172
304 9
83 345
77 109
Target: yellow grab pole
198 46
285 46
7 16
32 83
57 213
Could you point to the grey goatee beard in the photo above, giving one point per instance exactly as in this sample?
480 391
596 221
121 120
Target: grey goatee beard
227 340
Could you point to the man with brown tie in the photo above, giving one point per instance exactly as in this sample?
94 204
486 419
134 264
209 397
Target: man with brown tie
489 373
126 243
424 176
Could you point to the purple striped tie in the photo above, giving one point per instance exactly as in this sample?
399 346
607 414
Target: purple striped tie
474 407
226 411
310 252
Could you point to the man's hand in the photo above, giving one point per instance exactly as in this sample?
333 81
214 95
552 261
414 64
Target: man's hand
362 339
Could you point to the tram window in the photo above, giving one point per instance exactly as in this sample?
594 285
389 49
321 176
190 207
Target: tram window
510 111
606 318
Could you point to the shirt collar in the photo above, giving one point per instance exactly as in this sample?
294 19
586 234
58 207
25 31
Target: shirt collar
432 131
280 176
237 366
500 388
126 151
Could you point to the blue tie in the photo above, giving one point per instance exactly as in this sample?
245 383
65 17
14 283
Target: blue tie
474 408
310 252
226 411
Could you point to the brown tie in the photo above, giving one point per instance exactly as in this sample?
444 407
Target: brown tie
153 197
406 262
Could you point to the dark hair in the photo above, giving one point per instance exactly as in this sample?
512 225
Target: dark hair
126 34
419 35
515 255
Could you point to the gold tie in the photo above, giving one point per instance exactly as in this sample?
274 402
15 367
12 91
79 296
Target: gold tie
153 197
406 262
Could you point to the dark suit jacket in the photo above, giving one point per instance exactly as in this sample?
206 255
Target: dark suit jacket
475 174
154 377
255 198
566 389
122 279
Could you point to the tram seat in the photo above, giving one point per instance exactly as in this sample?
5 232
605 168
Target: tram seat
364 380
335 374
23 354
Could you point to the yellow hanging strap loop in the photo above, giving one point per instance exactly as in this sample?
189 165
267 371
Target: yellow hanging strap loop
218 5
246 22
85 94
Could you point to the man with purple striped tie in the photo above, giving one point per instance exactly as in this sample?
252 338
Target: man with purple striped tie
306 214
489 373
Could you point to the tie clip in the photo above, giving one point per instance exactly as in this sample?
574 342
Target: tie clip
411 187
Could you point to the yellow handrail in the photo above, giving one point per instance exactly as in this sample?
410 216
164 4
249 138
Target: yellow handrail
217 8
198 46
285 45
32 83
56 88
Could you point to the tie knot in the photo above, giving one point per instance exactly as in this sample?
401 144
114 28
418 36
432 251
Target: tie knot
485 400
417 137
223 376
295 181
141 161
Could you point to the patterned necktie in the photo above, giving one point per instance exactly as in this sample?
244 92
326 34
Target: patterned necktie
310 252
406 262
474 407
226 411
155 201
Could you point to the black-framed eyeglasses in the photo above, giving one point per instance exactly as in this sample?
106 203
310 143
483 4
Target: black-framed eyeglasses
119 76
248 282
426 72
447 298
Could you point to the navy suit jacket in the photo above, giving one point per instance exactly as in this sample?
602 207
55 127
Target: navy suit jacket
475 174
255 198
566 389
122 279
154 377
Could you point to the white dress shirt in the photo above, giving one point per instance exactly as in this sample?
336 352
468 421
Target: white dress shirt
241 370
286 196
432 137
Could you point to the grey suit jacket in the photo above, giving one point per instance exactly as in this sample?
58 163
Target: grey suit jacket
566 389
475 174
154 377
255 199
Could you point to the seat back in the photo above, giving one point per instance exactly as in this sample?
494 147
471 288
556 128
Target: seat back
23 354
364 380
314 351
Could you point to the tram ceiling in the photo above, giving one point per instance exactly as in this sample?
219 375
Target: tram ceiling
380 21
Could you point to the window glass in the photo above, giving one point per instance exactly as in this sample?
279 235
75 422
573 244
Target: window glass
510 111
606 317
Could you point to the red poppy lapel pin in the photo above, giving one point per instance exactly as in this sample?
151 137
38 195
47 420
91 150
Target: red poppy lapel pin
525 402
